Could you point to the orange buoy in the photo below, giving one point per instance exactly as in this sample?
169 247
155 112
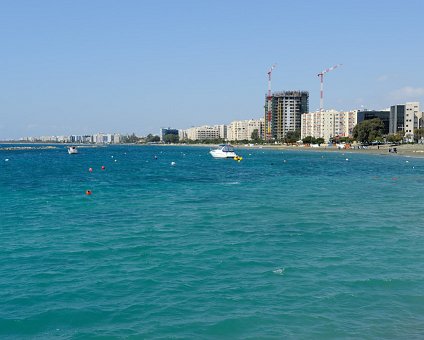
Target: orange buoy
90 169
103 167
88 192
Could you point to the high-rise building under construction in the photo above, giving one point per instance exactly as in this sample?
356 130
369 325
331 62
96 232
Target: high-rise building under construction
286 110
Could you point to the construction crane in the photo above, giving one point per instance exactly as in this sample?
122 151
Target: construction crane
269 109
321 75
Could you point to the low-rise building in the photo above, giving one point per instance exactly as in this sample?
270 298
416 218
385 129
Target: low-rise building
202 133
383 115
167 131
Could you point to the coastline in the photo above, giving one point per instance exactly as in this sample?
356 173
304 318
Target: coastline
404 150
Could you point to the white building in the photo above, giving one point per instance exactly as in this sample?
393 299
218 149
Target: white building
223 130
328 124
344 123
243 129
202 133
413 117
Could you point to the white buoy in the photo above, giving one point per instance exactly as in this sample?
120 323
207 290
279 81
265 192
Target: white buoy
6 160
347 159
173 163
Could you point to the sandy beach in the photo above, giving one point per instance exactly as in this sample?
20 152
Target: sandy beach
407 150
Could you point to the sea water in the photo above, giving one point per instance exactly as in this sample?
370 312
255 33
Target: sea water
283 244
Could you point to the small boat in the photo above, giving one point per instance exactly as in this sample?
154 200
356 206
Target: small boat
223 151
72 150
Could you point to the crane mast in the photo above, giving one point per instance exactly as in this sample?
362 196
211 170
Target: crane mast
269 106
321 76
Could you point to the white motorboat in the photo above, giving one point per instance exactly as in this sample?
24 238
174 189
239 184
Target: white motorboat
72 150
223 151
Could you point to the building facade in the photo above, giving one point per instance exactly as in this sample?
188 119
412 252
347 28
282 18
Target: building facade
384 115
406 118
167 131
328 124
243 129
202 133
287 108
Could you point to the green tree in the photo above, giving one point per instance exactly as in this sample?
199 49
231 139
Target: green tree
368 130
152 139
394 138
292 137
320 141
171 138
345 140
309 140
130 138
255 135
418 134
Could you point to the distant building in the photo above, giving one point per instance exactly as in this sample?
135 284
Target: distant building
383 115
243 129
406 118
223 131
344 123
168 131
397 118
286 111
202 133
319 124
328 124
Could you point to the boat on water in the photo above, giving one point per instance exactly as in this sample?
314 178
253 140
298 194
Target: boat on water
72 150
223 151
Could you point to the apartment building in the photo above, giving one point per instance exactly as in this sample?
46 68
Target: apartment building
287 108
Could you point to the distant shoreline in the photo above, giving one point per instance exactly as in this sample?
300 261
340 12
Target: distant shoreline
405 150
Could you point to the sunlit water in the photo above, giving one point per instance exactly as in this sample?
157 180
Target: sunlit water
280 245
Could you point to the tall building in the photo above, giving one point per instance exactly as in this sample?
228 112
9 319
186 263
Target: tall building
287 108
412 119
405 117
397 118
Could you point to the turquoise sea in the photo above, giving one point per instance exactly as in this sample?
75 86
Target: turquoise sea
282 245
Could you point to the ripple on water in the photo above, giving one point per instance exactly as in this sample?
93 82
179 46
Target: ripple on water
311 247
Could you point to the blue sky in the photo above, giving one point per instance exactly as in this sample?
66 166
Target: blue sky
135 66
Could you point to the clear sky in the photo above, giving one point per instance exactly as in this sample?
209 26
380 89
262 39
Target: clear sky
126 66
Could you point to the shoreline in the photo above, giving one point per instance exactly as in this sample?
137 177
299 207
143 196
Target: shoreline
404 150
